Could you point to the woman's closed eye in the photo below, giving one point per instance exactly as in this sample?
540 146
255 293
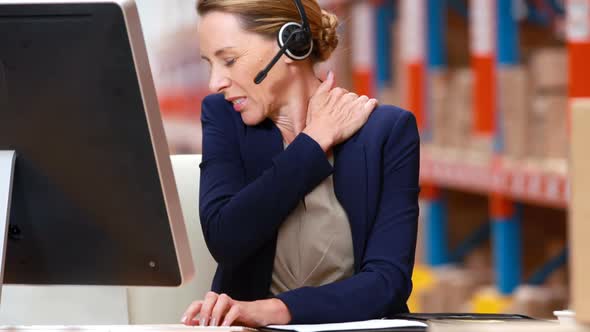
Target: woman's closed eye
229 62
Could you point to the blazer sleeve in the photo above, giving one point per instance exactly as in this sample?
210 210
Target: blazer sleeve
383 283
237 217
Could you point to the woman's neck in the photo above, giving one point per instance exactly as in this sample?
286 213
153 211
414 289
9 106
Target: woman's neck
291 117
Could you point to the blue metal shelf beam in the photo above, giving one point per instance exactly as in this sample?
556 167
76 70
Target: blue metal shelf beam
506 224
385 14
436 23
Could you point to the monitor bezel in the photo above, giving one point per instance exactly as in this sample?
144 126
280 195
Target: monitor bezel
154 122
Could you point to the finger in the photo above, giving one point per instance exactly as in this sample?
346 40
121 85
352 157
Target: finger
221 307
346 101
359 103
231 316
336 95
190 313
352 96
207 308
370 105
362 99
326 85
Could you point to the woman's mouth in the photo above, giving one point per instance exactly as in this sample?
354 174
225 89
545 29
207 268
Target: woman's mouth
239 104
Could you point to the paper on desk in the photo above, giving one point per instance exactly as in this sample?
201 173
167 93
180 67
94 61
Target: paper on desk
360 325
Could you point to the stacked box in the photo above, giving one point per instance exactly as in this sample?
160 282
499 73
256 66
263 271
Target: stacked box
538 301
548 127
481 147
513 104
437 102
453 289
555 107
387 96
548 70
459 108
547 130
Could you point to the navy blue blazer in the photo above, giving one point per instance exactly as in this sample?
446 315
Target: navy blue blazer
250 183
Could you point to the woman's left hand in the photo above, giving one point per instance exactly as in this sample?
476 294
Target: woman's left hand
222 310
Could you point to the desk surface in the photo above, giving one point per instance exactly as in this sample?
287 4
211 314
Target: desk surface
121 328
434 326
521 326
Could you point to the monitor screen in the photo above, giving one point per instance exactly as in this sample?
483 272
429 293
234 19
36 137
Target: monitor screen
93 197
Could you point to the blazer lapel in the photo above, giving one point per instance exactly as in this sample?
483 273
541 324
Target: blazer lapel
350 186
261 144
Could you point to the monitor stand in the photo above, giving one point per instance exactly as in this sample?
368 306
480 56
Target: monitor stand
7 159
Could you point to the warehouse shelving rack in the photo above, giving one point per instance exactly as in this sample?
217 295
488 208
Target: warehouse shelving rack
494 47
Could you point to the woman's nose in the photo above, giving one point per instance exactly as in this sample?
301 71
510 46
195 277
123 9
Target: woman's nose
218 82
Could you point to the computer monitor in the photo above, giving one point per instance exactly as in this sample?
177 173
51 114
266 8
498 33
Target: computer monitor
94 200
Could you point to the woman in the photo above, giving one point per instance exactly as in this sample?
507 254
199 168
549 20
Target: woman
309 193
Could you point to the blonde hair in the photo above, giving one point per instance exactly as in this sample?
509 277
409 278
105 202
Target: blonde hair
267 16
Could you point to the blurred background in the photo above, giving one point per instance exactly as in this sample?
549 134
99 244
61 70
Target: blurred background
490 83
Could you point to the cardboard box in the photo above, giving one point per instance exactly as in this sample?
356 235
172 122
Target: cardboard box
538 301
387 96
579 211
547 134
460 108
433 299
481 146
437 101
453 289
556 130
513 103
549 69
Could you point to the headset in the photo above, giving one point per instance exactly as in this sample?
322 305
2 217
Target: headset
294 40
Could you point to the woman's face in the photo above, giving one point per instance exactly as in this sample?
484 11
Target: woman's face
235 57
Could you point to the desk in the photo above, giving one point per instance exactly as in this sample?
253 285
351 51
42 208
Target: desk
121 328
535 326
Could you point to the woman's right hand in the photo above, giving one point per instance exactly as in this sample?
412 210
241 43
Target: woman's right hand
334 114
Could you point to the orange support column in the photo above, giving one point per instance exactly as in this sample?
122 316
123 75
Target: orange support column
412 14
363 47
482 30
483 97
578 35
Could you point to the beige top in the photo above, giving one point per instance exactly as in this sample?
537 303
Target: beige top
314 245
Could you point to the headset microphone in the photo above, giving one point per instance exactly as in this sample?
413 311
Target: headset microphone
262 74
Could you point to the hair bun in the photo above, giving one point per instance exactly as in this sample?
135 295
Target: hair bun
328 38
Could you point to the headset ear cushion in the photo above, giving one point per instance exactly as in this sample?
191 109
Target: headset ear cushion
286 31
300 46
